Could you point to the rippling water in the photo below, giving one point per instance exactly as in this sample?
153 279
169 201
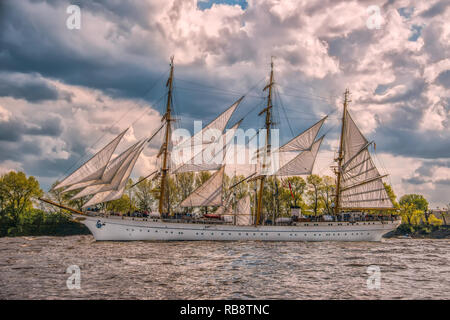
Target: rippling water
35 268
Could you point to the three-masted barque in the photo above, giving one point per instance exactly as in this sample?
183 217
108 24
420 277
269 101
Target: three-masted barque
359 186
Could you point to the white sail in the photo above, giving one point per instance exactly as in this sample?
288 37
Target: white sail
361 184
303 163
370 195
354 141
119 188
116 176
212 156
104 197
304 140
94 167
111 169
218 124
243 212
208 194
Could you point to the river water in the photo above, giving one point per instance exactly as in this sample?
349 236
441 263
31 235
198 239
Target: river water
35 268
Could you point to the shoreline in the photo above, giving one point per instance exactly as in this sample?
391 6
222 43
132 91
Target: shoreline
419 232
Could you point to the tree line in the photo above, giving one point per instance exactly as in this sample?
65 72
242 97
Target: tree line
21 212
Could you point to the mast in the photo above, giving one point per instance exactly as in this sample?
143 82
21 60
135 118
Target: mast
267 110
341 154
165 146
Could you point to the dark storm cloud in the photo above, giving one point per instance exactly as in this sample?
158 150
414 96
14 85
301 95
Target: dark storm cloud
25 48
445 182
14 129
34 50
436 9
48 127
444 78
415 180
19 151
412 143
10 131
33 88
426 170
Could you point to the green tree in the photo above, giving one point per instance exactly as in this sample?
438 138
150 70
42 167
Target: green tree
419 201
17 193
407 211
391 194
327 191
120 205
57 195
298 187
314 184
144 194
75 203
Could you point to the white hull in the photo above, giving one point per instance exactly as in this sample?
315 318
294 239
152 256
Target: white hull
117 229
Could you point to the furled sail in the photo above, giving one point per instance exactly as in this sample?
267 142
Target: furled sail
361 184
208 194
212 156
205 136
94 167
303 163
243 212
119 189
114 178
304 140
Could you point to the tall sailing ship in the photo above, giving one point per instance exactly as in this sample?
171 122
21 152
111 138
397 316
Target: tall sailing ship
359 185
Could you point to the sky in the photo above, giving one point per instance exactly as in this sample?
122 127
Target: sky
64 93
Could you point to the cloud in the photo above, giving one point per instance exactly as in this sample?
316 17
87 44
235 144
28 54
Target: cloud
29 87
61 90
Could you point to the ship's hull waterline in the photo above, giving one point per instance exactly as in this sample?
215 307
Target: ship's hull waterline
117 229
